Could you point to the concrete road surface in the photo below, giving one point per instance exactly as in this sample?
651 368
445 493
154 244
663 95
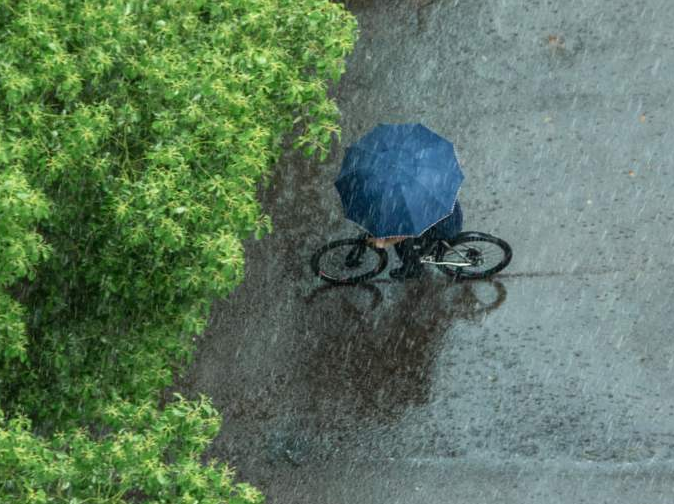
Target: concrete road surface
551 383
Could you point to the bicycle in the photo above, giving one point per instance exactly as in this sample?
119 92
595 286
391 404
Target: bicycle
465 252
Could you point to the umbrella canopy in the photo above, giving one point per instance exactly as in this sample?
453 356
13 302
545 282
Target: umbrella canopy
399 180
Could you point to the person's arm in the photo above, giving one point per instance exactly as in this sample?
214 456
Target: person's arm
385 242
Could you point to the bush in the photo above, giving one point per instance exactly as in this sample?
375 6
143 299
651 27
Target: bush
147 125
133 134
21 248
151 456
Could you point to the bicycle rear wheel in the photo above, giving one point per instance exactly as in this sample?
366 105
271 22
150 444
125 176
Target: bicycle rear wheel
481 255
348 261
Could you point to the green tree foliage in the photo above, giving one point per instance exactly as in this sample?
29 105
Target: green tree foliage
150 456
20 249
133 134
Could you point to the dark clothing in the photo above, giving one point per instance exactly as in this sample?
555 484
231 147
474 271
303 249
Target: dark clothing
450 226
446 229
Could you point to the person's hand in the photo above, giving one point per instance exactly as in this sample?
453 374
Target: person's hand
384 242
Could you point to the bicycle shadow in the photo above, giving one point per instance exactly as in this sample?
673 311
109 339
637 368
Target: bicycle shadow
374 359
471 303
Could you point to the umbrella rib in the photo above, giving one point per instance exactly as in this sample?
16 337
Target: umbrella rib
445 216
383 202
414 181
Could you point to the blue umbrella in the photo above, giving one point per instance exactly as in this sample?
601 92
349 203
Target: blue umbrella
399 180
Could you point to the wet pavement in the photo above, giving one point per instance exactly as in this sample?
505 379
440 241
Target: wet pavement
551 383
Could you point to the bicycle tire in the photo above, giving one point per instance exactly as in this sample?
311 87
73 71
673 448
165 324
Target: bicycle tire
348 280
464 238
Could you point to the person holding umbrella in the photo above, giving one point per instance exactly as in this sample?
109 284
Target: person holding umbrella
406 248
400 183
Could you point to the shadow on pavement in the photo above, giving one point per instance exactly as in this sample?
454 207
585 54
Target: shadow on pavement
382 364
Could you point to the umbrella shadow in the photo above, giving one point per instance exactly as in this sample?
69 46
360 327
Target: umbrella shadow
373 357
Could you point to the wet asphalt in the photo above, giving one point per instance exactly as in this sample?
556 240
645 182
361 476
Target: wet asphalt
551 383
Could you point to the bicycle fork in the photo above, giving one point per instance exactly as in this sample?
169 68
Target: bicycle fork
353 258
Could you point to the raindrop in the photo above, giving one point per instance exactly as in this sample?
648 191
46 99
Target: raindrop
655 68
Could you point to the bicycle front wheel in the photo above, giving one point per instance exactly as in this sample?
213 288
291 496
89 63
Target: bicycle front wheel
348 261
473 255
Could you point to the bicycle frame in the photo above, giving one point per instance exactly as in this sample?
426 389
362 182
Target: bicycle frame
471 263
353 256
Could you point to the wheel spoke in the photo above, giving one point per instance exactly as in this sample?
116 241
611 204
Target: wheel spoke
484 253
344 261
